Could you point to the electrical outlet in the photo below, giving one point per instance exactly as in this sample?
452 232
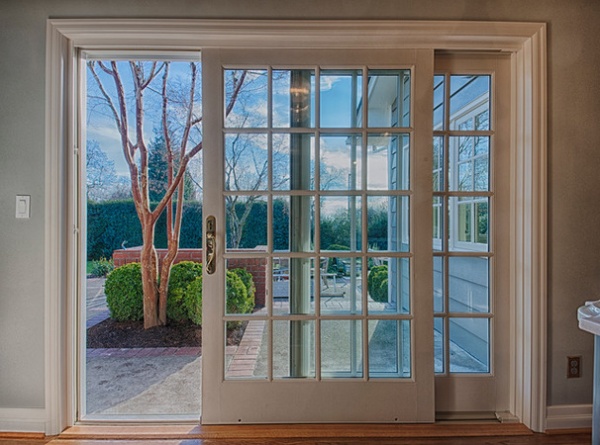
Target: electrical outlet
574 367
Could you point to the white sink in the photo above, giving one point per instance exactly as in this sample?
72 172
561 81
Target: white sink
589 317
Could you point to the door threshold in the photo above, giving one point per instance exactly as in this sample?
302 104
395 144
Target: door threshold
289 431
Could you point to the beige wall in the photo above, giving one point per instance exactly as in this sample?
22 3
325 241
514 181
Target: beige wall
574 157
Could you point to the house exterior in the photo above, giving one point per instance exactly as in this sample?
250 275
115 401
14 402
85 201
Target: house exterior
573 214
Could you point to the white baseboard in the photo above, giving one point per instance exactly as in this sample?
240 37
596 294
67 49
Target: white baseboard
560 417
22 420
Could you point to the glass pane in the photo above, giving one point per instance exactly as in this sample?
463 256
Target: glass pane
389 98
281 224
438 223
341 284
341 162
388 223
340 223
301 223
246 162
438 284
245 98
247 356
469 223
471 172
388 285
293 349
246 220
293 285
438 344
389 348
438 164
469 100
341 349
469 345
469 287
293 161
388 162
439 97
244 285
293 98
341 95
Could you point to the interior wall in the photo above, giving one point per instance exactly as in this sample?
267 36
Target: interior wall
574 182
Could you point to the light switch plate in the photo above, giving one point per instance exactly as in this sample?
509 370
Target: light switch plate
23 206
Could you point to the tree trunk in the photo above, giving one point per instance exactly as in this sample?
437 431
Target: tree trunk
149 263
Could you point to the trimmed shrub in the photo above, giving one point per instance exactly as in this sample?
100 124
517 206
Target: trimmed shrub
248 280
182 274
124 293
238 301
192 300
101 267
377 283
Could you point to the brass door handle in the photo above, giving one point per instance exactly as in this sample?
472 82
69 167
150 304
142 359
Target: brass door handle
211 245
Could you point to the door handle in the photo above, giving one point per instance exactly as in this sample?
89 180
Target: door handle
211 244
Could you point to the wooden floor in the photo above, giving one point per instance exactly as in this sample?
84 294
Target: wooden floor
437 434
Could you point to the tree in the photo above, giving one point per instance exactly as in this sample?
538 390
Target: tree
177 106
101 174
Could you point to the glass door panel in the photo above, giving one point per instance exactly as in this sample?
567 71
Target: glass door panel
325 210
470 236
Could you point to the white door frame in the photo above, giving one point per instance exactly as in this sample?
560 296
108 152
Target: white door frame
525 41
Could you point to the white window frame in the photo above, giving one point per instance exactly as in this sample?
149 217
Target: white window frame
526 42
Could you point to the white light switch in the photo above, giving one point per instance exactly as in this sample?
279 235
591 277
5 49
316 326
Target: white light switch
23 206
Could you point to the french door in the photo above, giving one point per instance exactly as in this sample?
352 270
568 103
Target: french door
471 221
317 173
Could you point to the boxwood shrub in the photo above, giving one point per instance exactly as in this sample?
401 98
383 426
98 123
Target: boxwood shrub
182 275
377 283
124 293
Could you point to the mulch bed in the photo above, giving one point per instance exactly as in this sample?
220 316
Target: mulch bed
131 334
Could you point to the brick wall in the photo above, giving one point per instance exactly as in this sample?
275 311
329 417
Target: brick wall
256 266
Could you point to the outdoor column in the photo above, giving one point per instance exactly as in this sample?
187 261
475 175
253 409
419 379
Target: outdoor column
300 226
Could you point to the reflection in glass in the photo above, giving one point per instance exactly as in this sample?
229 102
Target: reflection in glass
293 157
246 162
283 288
389 348
341 94
245 98
438 102
438 223
246 221
438 164
469 102
340 162
388 162
341 349
469 345
388 285
469 222
438 284
293 98
241 361
439 345
388 223
340 223
469 287
389 98
471 171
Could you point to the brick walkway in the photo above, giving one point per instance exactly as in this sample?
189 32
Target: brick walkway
243 362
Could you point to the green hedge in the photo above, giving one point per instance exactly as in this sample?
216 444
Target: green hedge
182 274
110 223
